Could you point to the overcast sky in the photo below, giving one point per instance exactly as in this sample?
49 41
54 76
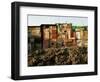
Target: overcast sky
37 20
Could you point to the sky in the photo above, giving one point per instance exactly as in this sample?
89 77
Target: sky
37 20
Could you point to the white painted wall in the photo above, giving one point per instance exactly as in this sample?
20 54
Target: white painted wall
5 40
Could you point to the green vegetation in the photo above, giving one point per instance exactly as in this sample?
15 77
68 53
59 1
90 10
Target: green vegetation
58 56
